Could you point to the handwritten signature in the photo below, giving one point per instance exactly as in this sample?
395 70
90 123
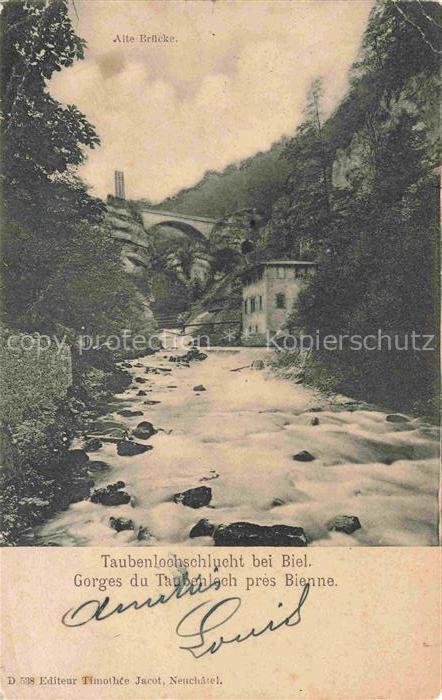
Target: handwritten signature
229 607
203 619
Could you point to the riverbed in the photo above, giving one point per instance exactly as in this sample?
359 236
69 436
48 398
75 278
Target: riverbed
238 437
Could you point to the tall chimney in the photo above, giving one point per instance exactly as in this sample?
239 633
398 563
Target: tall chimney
119 184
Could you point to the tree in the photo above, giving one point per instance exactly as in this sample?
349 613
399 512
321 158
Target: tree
304 210
59 264
41 138
379 269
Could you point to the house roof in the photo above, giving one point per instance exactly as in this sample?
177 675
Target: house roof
275 263
286 262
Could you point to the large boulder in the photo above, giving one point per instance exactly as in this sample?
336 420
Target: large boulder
111 495
203 528
192 354
303 456
140 380
144 533
75 459
396 418
128 448
199 387
97 465
144 430
243 534
344 523
194 498
120 524
92 445
129 413
78 490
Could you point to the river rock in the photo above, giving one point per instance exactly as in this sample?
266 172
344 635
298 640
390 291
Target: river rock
344 523
144 533
202 529
141 392
144 430
140 380
128 448
92 445
76 459
244 534
111 495
151 402
128 413
192 354
97 465
396 418
120 524
200 387
194 498
303 456
78 490
314 421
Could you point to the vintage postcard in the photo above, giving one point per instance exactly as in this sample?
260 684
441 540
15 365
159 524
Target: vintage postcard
220 349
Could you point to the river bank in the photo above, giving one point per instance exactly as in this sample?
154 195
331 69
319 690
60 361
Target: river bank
47 400
244 434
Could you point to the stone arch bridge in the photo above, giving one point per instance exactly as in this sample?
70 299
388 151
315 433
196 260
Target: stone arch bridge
198 227
135 231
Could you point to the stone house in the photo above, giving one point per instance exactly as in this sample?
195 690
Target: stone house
269 292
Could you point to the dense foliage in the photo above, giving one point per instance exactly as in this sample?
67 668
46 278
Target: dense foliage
365 190
59 263
253 183
61 270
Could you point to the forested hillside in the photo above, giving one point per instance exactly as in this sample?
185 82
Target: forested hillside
363 190
358 192
253 183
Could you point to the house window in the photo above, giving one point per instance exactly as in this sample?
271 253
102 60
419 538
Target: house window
260 303
281 273
245 306
280 301
252 305
256 329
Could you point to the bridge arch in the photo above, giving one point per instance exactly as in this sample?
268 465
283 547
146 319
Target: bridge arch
186 228
195 226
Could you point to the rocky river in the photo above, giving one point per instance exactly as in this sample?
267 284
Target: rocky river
229 442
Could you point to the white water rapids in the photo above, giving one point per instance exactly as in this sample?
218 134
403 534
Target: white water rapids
244 430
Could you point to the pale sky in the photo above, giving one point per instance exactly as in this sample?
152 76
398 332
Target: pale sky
232 84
